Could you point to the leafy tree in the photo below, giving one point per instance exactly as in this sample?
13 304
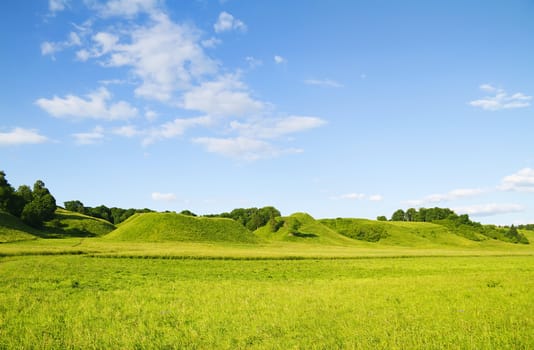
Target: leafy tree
75 206
381 218
39 210
6 192
412 215
398 215
188 213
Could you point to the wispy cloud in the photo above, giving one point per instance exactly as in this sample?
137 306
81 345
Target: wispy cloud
273 128
489 209
50 48
226 22
445 197
174 128
95 106
21 136
125 8
359 196
279 59
57 5
243 148
163 197
323 82
91 137
522 181
500 99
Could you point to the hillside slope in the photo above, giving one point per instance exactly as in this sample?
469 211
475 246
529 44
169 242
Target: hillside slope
155 227
12 229
70 224
410 234
301 227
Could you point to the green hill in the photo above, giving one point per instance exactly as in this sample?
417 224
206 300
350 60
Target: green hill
12 229
70 224
177 227
301 227
410 234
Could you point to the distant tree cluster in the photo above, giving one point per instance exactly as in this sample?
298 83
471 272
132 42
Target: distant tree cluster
33 206
460 224
113 215
253 218
529 227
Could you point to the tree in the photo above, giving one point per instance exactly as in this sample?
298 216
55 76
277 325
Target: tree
411 215
6 192
381 218
75 206
398 215
39 210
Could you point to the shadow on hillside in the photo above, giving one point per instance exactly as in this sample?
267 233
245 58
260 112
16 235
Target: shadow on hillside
304 235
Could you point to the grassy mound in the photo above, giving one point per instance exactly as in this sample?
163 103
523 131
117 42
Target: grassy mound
410 234
70 224
13 229
301 227
155 227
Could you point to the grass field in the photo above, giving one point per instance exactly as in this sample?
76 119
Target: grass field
172 281
386 303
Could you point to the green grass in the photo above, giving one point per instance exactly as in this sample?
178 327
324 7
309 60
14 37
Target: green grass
70 224
156 227
301 227
12 229
75 302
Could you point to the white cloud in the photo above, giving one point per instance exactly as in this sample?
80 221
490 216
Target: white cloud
522 181
242 148
226 96
126 131
323 82
489 209
163 197
89 138
211 42
359 196
227 22
150 115
21 136
57 5
174 128
376 198
165 56
127 8
95 106
501 99
279 59
50 48
449 196
273 128
253 62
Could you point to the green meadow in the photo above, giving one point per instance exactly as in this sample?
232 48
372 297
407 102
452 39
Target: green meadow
171 281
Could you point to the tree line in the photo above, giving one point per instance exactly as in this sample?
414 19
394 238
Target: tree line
114 215
34 205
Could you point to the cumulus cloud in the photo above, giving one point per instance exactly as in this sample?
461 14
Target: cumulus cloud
376 198
445 197
225 96
522 181
163 55
489 209
95 106
127 131
500 99
91 137
273 128
323 82
21 136
226 22
163 197
242 148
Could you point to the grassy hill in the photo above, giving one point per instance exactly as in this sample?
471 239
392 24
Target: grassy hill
12 229
410 234
153 227
70 224
301 227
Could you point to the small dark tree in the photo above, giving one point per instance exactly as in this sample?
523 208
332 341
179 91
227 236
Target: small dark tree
75 206
381 218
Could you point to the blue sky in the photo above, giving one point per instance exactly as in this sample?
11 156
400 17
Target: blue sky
336 108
